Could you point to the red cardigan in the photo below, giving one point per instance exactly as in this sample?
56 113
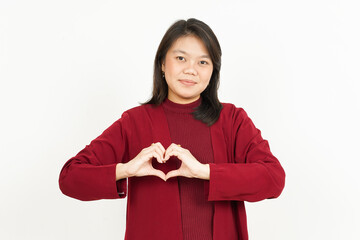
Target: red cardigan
244 169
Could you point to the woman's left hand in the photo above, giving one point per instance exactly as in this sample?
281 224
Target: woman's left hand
190 167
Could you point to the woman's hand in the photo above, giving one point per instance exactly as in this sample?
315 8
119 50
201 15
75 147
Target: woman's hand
141 165
190 167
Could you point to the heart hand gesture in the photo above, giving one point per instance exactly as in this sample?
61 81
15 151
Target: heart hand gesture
141 165
190 167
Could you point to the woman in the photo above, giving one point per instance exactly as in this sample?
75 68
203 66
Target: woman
185 161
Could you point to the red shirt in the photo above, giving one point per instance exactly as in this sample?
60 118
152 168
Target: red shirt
194 135
244 169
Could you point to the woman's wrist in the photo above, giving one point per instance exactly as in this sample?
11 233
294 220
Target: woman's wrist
121 171
204 172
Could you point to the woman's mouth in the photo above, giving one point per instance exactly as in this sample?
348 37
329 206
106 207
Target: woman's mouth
187 82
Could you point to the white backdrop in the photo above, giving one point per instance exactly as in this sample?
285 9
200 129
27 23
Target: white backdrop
68 69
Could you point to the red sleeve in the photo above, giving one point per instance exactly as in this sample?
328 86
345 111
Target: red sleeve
91 174
255 174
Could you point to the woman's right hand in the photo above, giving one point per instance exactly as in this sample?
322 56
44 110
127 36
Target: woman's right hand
141 165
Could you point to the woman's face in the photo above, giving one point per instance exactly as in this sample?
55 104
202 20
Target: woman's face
188 69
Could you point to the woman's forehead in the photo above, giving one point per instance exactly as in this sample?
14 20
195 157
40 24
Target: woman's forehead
189 45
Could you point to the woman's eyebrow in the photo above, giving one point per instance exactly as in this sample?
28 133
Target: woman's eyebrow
183 52
179 51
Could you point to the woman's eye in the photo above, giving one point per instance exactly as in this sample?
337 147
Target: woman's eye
181 58
203 62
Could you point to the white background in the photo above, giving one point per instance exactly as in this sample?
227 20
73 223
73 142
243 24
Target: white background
68 69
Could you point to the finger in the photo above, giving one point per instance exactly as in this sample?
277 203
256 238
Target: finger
175 146
173 173
159 174
155 155
148 149
169 151
159 151
157 145
153 151
160 146
173 152
172 146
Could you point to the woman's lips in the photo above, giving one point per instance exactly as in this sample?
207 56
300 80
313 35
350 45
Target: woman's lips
187 82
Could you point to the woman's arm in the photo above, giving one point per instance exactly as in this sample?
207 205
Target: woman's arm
91 174
99 171
256 174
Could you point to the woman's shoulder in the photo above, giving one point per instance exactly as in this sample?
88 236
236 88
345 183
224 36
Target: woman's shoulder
232 117
135 110
140 111
230 110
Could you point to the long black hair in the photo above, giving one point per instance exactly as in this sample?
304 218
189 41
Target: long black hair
209 109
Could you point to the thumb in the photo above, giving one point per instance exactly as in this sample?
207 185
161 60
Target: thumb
173 173
159 174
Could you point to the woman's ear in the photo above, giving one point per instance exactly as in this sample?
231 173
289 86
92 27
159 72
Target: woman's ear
163 67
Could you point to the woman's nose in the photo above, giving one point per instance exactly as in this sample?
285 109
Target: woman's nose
190 68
